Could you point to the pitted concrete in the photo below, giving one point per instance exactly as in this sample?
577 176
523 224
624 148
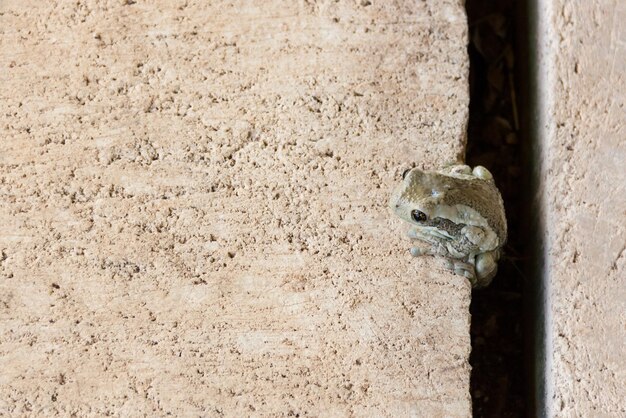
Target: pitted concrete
585 191
193 204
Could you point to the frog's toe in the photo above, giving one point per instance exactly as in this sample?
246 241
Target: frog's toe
456 170
463 269
482 173
460 169
417 252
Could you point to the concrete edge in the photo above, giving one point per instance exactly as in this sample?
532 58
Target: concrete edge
538 45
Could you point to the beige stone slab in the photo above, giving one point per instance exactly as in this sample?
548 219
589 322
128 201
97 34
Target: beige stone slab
586 207
193 204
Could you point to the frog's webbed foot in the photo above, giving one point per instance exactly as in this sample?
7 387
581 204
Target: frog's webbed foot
463 268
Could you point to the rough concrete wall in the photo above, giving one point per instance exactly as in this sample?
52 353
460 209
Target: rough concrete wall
586 191
193 208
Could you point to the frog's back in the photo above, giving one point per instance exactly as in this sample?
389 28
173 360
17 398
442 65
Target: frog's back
481 195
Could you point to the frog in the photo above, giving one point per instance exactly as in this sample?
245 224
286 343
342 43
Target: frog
455 212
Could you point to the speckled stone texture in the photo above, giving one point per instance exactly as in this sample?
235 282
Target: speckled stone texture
193 208
586 198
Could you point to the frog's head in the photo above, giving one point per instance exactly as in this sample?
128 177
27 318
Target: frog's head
417 197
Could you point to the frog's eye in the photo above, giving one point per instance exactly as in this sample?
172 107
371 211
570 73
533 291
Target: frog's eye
418 215
405 173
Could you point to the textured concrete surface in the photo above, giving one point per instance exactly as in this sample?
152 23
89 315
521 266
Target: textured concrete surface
585 188
193 208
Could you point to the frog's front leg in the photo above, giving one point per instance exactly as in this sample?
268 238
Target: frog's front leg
436 246
484 240
474 234
414 233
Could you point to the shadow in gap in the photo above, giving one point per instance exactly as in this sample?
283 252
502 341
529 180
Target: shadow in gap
494 141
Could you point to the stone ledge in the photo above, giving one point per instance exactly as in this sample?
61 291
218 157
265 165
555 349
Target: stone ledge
195 204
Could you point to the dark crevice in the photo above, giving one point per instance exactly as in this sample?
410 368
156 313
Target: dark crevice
494 141
532 44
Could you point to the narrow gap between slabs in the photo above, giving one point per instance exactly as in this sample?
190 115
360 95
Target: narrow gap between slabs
496 135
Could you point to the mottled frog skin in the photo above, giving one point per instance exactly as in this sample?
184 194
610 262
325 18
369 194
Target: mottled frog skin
456 213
